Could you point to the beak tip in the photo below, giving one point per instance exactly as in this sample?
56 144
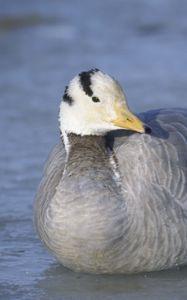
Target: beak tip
147 129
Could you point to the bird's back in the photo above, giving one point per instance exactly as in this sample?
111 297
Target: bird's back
153 171
159 158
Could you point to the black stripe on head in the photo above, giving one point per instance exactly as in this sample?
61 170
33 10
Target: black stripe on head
66 97
85 80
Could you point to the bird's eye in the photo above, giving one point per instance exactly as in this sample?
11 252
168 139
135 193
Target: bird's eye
95 99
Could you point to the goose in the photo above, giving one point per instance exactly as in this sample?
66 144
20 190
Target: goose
113 197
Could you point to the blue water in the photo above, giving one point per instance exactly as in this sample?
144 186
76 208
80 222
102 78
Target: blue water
43 44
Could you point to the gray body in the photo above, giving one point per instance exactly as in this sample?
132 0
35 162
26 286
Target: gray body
118 204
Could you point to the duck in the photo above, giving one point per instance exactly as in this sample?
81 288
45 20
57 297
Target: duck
113 196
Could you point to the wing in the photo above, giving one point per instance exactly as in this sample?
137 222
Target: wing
155 166
52 174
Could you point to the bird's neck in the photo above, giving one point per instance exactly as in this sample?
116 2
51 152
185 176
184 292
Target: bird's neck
89 164
87 149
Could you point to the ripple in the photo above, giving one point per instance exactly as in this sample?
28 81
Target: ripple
8 23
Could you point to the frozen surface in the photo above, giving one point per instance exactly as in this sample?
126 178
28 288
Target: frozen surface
43 44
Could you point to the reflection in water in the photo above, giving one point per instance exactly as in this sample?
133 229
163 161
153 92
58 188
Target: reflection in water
61 282
18 22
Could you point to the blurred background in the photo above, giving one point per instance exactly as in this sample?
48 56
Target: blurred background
43 44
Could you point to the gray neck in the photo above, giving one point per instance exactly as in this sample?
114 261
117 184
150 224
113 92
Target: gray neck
86 152
88 172
88 161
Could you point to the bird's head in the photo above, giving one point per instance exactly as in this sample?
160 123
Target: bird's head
94 104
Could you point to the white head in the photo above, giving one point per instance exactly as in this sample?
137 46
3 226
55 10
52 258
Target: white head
94 104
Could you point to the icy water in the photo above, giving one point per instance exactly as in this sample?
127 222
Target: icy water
43 44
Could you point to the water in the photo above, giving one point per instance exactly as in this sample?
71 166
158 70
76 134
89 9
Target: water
42 45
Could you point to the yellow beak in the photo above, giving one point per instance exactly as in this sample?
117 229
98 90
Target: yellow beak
126 120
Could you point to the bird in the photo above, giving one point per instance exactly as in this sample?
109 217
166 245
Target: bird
113 196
